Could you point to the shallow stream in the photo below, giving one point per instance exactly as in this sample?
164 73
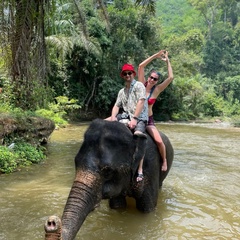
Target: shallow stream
200 198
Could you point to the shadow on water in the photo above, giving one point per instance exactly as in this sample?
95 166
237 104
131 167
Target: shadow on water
200 198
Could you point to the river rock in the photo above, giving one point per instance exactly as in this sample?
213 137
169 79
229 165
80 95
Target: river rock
35 130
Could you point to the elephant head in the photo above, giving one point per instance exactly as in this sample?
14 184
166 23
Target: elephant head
106 167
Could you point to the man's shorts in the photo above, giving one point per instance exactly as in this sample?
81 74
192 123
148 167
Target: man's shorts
141 125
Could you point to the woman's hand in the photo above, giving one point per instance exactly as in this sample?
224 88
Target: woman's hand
164 57
161 54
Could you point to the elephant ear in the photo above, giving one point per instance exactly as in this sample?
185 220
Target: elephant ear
140 149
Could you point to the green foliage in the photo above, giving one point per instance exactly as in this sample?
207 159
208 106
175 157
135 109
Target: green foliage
150 5
97 29
8 110
17 113
17 155
209 50
8 160
193 40
232 108
236 120
131 37
108 90
27 152
184 52
23 49
229 87
178 17
87 47
64 104
219 53
212 104
86 70
55 117
59 111
5 108
189 98
20 98
5 96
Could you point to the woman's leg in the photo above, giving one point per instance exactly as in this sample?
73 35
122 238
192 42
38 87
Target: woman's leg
152 130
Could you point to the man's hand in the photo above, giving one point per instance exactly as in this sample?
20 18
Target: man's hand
132 124
113 118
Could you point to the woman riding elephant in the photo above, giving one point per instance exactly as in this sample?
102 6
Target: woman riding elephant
153 89
106 166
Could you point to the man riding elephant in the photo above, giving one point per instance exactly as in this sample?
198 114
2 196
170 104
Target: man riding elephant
132 99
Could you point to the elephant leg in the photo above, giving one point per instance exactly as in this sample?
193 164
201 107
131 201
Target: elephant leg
138 188
118 202
147 202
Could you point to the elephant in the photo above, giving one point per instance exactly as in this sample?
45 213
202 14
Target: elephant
106 168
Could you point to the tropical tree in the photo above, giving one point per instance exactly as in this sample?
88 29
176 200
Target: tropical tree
23 40
210 10
150 5
93 76
22 30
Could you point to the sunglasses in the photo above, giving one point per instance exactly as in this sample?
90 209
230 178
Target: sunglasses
155 79
127 73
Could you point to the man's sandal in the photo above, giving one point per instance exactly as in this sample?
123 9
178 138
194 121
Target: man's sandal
139 177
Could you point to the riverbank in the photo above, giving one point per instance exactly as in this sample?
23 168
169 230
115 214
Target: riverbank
211 123
21 141
34 130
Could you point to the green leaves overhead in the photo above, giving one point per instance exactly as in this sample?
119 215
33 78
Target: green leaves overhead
150 5
77 48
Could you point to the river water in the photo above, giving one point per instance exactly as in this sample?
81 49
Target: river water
200 198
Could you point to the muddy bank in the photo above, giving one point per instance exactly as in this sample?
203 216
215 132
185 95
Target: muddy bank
34 130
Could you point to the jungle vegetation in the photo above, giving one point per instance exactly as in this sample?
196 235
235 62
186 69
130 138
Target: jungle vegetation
73 50
61 59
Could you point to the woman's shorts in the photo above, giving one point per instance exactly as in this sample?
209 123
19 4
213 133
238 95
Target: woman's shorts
150 121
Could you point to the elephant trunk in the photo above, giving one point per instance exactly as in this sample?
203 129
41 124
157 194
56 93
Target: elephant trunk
85 194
